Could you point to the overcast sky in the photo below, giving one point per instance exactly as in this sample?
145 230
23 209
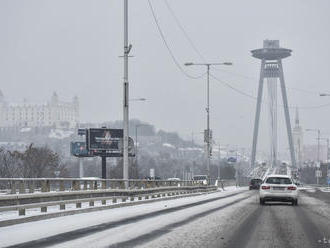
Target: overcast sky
73 47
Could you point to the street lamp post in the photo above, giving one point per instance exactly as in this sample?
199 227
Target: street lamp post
208 132
327 161
327 140
318 141
127 49
318 148
219 162
328 176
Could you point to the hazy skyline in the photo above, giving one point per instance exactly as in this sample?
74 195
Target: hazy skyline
73 47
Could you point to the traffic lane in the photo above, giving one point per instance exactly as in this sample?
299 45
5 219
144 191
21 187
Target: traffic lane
317 193
75 226
247 224
144 231
283 225
212 230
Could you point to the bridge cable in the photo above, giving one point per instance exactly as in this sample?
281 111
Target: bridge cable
174 59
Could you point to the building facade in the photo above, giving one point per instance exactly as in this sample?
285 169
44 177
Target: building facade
55 113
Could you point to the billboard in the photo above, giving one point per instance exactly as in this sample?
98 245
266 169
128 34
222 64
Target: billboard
104 139
107 142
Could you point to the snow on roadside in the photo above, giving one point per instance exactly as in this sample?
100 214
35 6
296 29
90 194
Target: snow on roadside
36 230
325 189
315 205
146 226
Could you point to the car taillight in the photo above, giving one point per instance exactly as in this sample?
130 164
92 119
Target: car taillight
292 188
265 187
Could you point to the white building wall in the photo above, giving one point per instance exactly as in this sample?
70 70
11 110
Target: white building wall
52 114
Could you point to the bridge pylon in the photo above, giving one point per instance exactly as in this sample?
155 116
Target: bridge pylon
271 56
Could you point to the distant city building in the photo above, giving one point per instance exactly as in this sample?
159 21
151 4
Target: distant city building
54 113
297 134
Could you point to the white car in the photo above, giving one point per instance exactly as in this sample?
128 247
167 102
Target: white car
278 188
173 179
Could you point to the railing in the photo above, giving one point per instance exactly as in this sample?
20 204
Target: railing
21 194
105 202
33 185
43 185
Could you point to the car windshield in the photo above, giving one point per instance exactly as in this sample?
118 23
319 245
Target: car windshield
278 180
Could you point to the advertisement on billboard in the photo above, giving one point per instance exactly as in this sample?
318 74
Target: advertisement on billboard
104 139
108 142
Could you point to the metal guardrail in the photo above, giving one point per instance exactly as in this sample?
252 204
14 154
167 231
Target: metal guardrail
32 185
43 185
24 193
104 200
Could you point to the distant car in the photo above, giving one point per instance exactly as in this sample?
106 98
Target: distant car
298 183
173 179
278 188
232 160
202 179
255 183
152 178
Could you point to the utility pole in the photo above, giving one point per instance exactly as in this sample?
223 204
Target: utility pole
318 145
208 123
318 150
81 168
318 154
207 134
327 150
127 49
219 162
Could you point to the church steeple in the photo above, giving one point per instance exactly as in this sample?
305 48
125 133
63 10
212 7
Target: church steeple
297 117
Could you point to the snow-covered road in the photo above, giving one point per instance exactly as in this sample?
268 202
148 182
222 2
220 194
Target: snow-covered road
228 219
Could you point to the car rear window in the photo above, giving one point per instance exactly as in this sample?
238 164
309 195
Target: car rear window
278 180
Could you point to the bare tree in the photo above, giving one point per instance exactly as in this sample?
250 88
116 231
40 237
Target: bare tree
33 162
9 164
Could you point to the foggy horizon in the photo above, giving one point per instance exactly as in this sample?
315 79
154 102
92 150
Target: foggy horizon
73 48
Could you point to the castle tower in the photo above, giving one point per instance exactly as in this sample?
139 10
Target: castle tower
54 99
2 98
271 56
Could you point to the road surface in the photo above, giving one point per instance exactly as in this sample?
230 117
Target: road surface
231 219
